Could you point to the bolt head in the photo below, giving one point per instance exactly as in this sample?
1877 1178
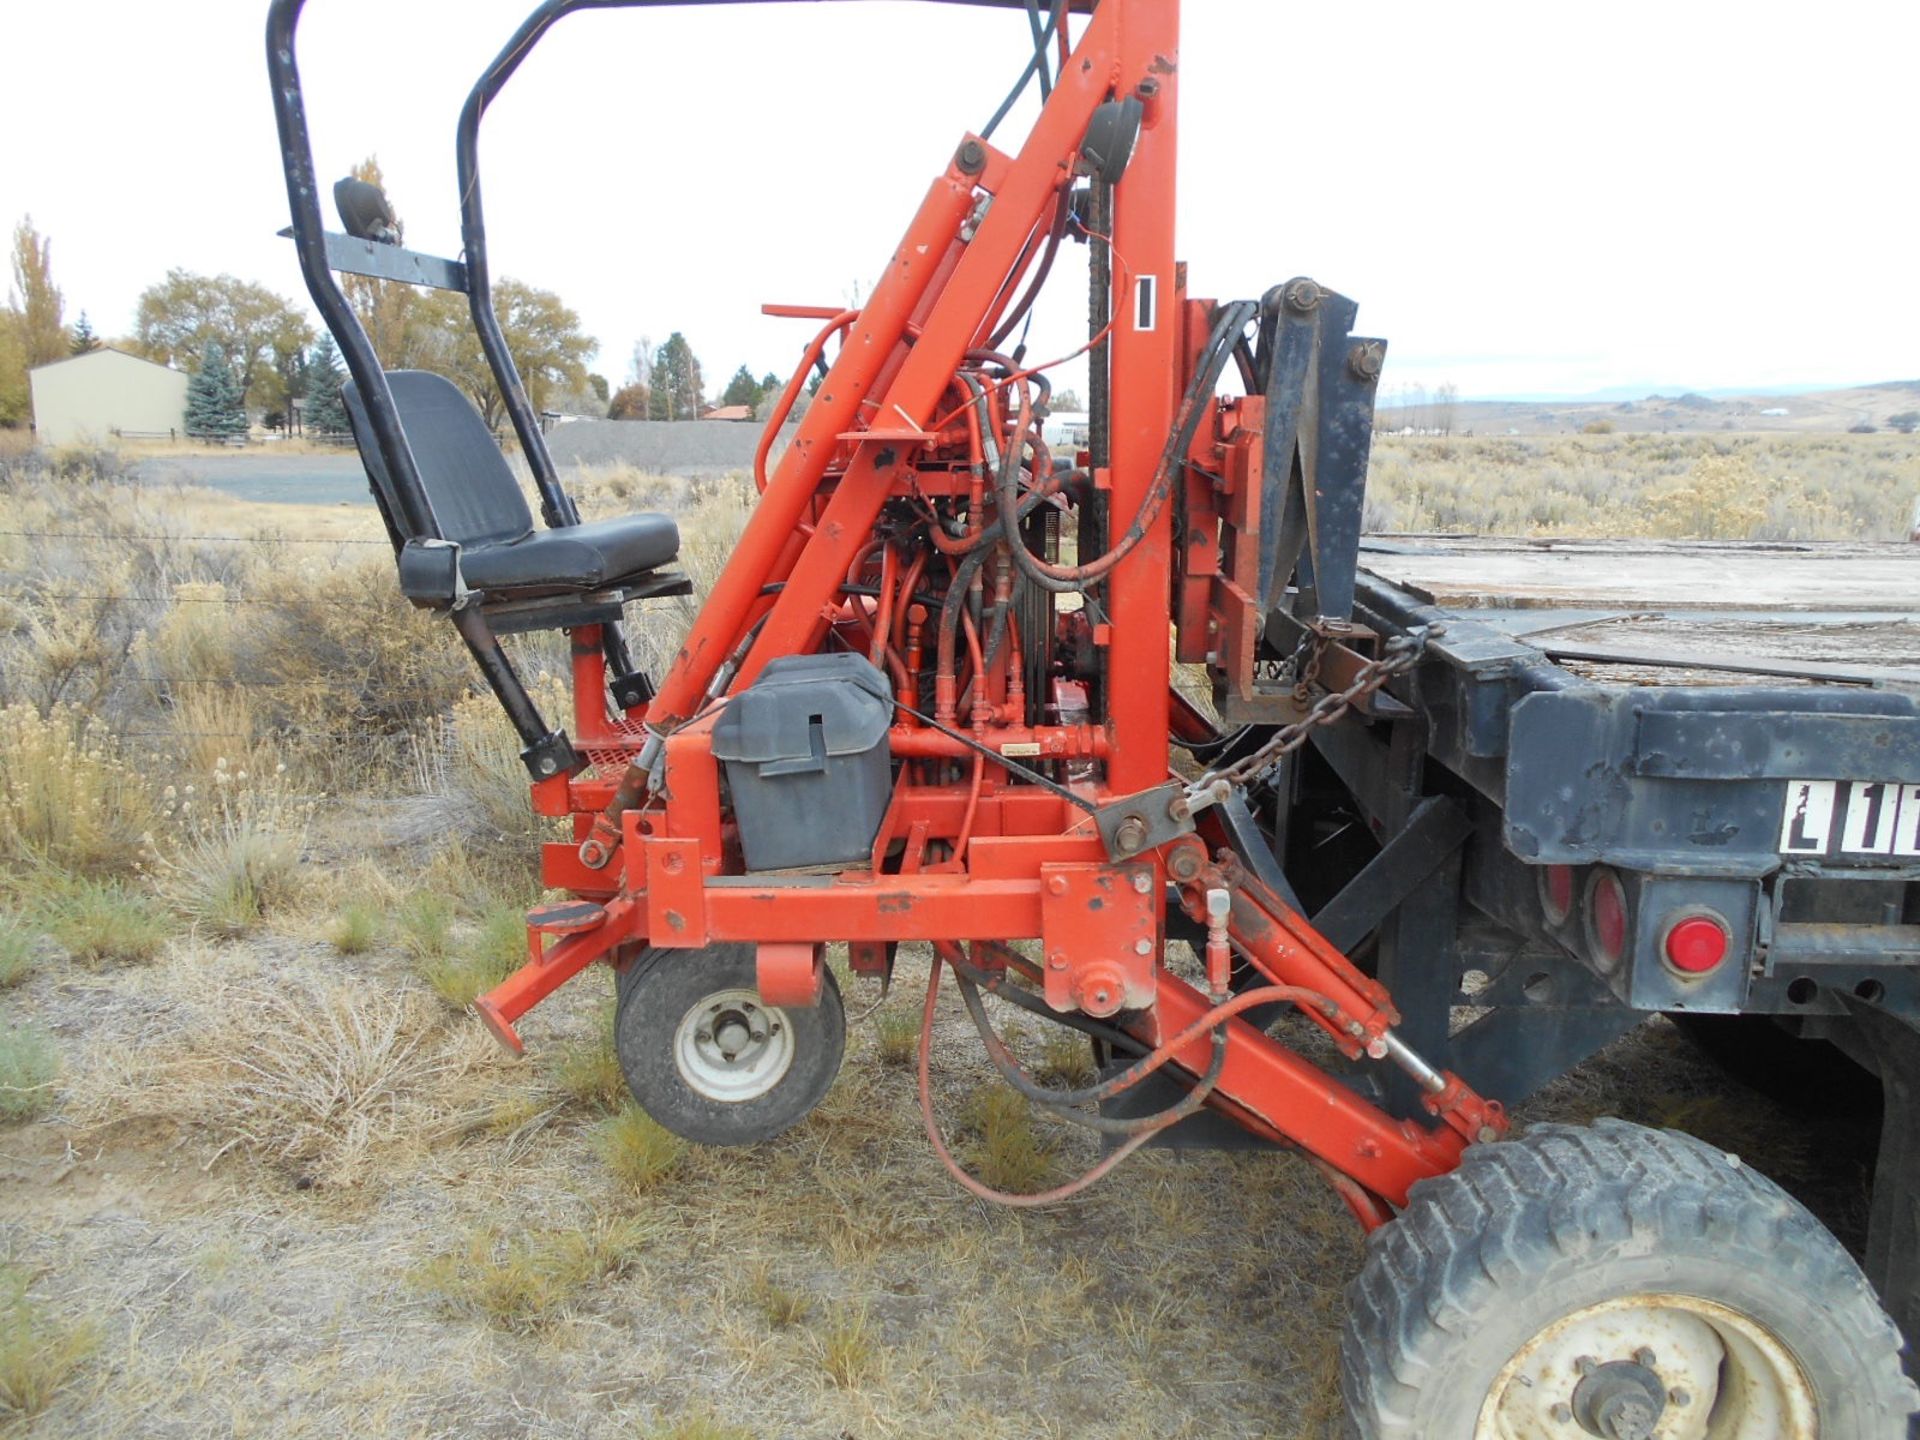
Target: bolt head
1487 1135
1561 1413
1366 360
1678 1396
1143 884
1586 1364
1143 947
1377 1049
1056 884
1302 296
1645 1357
1056 961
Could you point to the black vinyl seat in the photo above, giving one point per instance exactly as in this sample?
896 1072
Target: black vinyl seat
479 504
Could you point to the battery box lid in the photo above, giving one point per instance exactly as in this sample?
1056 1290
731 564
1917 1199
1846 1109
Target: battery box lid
804 708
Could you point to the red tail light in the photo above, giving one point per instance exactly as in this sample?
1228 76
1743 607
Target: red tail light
1556 893
1696 944
1606 919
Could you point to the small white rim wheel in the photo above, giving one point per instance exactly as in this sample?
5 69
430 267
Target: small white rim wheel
711 1061
731 1048
1651 1367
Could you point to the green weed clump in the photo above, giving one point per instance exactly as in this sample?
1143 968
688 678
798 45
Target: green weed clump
523 1281
17 944
1006 1152
355 930
589 1073
103 922
848 1346
28 1066
896 1036
1066 1059
37 1354
637 1149
461 971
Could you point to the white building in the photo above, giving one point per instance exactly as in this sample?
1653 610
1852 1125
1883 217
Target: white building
93 397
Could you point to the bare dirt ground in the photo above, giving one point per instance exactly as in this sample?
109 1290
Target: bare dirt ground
394 1245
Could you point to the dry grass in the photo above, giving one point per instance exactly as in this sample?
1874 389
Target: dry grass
1738 487
69 800
236 855
29 1067
37 1354
312 1077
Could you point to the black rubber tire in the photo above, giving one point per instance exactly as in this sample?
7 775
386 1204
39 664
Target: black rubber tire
1529 1231
655 994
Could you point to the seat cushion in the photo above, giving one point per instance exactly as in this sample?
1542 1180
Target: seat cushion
578 557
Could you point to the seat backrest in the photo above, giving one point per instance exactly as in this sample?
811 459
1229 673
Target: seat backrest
472 489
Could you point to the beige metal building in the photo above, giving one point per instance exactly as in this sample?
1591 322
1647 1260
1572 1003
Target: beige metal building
92 397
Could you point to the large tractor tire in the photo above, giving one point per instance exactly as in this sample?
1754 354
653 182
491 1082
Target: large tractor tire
1618 1282
713 1063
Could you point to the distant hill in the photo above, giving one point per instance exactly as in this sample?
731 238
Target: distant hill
1797 411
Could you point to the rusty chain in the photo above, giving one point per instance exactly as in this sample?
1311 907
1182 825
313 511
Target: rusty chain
1397 657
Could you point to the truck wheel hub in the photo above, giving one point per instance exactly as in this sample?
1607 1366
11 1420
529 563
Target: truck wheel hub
1675 1367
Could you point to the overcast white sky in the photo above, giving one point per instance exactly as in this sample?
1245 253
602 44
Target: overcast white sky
1525 198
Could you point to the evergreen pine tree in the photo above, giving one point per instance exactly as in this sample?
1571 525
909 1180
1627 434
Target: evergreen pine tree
83 339
325 414
214 411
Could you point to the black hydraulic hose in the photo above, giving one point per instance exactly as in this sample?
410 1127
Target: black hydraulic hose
1061 1102
1036 61
1227 327
1111 1036
1040 38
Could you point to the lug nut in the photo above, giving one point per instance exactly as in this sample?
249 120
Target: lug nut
1645 1357
1561 1413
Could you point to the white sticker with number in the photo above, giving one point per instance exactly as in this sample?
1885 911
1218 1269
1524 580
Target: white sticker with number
1851 817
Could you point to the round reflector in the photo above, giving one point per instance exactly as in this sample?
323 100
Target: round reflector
1607 919
1697 944
1556 893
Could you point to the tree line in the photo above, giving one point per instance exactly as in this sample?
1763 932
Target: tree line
252 352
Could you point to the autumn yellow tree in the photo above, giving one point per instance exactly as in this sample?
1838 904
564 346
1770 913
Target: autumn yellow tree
32 331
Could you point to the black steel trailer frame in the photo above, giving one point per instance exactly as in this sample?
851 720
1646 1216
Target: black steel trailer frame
1445 826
